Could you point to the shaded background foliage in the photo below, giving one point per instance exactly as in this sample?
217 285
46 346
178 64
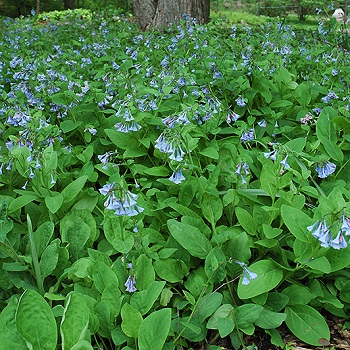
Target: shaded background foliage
304 8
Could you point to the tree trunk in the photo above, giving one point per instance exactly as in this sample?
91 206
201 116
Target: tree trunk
69 4
162 13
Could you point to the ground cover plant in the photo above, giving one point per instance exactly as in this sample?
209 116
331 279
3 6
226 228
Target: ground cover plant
165 190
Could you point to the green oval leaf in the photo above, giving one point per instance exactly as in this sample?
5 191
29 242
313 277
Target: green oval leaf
35 321
307 324
75 321
269 275
154 330
190 238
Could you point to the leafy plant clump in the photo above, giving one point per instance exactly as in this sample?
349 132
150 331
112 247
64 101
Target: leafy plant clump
160 190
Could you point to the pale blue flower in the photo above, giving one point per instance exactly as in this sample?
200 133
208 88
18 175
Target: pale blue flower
345 227
284 163
232 117
262 123
271 155
240 102
338 242
107 189
247 274
177 177
130 284
325 170
248 135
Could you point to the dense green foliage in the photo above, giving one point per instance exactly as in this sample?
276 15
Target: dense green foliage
160 190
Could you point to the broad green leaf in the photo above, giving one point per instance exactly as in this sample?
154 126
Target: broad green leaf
35 321
238 247
207 305
297 222
49 258
171 270
210 152
75 232
339 259
215 265
332 150
103 275
157 171
225 326
131 321
247 314
190 328
302 94
268 178
225 311
69 125
9 336
271 232
296 145
43 235
144 300
75 321
246 220
281 103
54 202
307 324
121 242
298 294
154 330
325 127
72 190
269 319
320 264
82 345
144 271
190 238
211 207
20 202
276 301
269 275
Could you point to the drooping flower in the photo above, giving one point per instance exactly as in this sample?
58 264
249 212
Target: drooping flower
232 117
284 163
326 169
248 135
125 204
317 229
240 102
104 159
271 155
338 242
177 177
130 284
262 123
247 274
345 227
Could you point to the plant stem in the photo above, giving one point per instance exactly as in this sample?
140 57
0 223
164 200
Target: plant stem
35 261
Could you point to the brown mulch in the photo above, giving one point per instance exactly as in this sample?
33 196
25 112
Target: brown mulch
340 339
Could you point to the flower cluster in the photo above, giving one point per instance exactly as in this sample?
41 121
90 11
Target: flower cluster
171 144
248 135
322 232
325 169
308 119
123 205
242 169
